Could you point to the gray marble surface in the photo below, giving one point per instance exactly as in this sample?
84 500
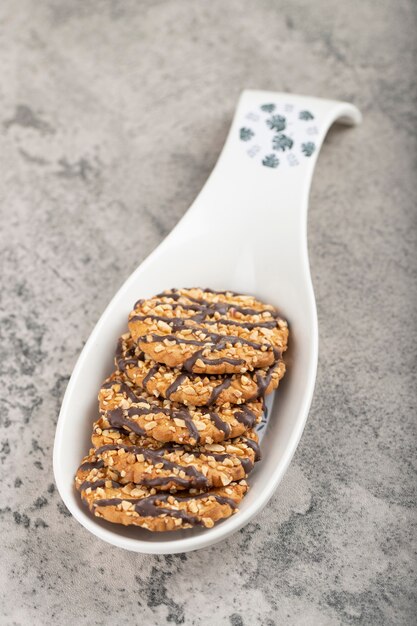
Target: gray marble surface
112 116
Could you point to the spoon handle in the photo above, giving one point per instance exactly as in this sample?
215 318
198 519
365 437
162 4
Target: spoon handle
258 190
267 162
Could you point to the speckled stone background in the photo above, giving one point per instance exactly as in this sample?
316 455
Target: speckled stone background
112 116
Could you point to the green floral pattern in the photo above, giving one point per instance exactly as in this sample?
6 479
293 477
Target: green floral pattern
277 122
246 134
270 161
308 148
268 108
305 115
262 134
282 142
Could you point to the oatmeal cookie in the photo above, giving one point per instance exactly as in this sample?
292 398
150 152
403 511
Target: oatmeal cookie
104 434
195 389
136 505
164 420
209 332
173 467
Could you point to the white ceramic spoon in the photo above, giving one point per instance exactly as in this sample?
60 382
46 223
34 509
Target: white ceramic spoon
246 231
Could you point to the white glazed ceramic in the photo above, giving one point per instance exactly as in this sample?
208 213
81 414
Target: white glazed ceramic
246 231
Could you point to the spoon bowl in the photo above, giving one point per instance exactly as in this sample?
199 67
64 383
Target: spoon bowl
246 232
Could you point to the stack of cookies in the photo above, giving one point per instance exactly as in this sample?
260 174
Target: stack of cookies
176 436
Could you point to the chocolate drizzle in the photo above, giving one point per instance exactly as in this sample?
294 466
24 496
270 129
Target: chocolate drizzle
119 429
95 484
191 361
217 390
125 357
149 375
255 447
89 465
262 381
181 378
245 416
192 428
124 388
220 424
117 419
